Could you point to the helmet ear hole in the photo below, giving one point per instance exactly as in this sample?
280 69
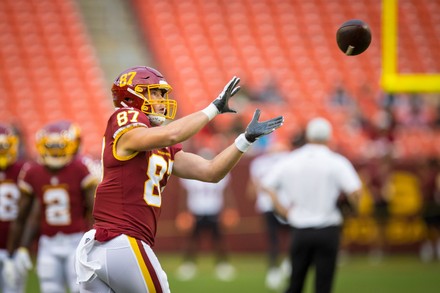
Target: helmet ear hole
128 101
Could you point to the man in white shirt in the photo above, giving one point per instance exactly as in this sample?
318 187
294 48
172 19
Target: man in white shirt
275 227
206 204
310 181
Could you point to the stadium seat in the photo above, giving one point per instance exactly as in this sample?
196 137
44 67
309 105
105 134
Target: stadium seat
47 57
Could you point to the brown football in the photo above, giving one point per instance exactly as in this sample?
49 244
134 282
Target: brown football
353 37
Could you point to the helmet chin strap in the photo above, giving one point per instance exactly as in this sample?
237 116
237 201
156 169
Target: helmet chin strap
156 120
55 163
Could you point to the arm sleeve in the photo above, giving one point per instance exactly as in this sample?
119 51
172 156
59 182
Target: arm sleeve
348 177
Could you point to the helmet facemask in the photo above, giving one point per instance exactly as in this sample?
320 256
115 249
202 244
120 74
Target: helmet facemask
135 87
157 110
58 149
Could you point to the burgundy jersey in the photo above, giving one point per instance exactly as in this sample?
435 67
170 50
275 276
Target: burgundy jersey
61 194
129 198
9 195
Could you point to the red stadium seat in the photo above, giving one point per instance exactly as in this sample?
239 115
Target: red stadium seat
290 40
47 56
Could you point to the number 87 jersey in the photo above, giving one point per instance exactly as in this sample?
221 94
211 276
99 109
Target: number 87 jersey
129 197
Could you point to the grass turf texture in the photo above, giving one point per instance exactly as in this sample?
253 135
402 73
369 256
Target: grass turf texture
399 274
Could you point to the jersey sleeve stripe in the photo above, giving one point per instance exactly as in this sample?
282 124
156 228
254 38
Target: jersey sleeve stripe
117 135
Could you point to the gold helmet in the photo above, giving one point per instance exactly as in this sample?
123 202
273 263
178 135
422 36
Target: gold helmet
58 143
9 143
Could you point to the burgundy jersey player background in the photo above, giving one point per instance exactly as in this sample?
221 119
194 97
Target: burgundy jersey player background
9 195
61 195
127 200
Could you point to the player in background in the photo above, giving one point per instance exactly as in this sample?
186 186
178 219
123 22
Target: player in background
259 168
205 207
10 165
140 152
56 203
430 182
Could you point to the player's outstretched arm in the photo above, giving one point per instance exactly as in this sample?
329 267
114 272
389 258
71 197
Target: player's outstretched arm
192 166
141 138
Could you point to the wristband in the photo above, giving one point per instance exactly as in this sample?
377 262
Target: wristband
211 111
242 143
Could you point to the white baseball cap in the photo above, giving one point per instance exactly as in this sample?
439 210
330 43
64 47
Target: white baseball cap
319 129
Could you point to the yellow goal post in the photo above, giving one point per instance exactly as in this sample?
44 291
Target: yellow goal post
392 80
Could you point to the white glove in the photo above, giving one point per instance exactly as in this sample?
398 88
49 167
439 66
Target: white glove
23 261
9 273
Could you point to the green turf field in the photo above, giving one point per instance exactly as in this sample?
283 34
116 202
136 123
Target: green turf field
396 274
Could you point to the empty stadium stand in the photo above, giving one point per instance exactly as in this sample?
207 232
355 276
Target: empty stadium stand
201 44
49 68
49 71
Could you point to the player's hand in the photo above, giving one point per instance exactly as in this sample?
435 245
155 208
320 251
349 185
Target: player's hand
230 89
257 129
23 261
9 273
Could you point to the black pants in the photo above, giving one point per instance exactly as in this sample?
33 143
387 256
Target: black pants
274 228
318 247
209 224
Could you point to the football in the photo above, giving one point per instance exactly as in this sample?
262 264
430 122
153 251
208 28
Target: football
353 37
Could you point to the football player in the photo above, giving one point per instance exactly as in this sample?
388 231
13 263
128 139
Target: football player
10 166
57 196
140 152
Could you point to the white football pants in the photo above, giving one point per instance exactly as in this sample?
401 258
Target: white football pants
21 283
55 260
121 265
